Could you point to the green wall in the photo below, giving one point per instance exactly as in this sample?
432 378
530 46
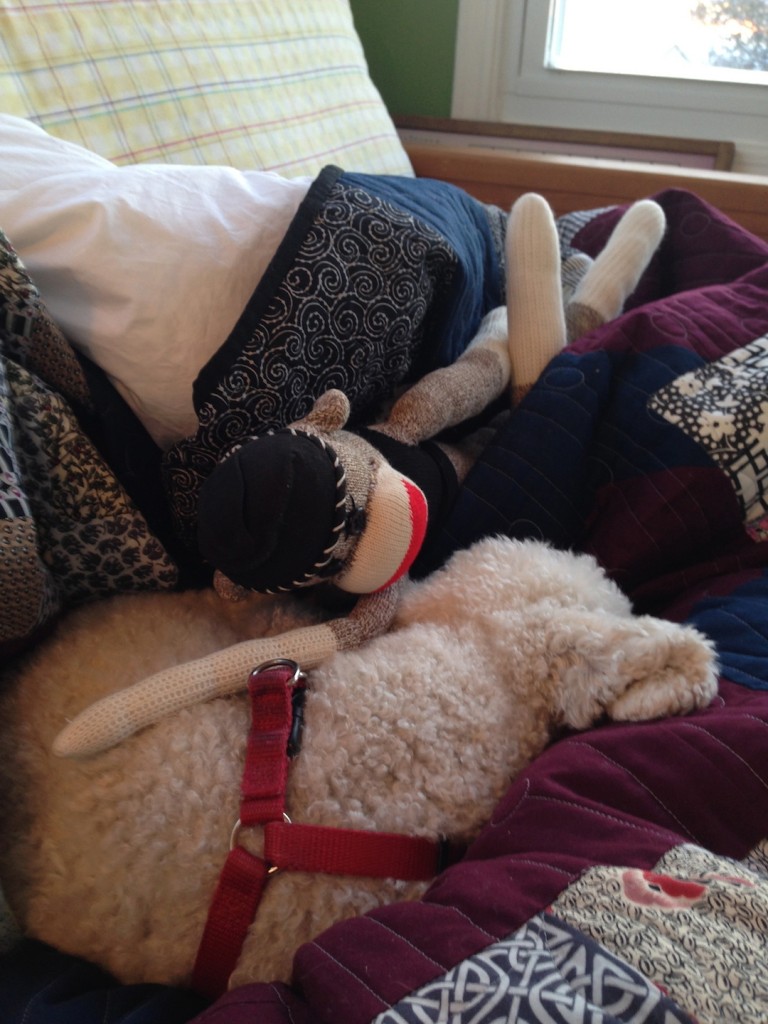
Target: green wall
410 45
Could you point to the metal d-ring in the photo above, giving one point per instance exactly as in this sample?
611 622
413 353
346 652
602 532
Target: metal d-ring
265 666
238 827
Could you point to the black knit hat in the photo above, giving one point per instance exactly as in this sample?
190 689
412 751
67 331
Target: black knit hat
270 515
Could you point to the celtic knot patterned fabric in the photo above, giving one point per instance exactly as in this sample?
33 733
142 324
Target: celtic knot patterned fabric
547 972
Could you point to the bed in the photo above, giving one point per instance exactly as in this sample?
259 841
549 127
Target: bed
624 876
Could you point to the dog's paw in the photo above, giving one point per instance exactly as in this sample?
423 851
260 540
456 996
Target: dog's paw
668 669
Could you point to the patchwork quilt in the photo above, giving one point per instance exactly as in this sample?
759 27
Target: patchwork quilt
624 875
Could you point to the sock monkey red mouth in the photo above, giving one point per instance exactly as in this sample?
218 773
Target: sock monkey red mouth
286 510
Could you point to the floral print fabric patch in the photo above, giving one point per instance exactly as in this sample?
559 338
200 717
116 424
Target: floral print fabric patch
723 406
697 926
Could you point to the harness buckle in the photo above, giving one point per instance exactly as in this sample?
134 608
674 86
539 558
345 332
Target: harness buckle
298 698
297 682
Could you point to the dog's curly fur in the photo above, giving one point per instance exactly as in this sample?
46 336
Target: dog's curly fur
115 858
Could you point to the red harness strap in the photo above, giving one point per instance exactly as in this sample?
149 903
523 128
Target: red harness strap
287 846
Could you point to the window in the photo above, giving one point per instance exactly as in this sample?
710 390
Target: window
620 65
677 39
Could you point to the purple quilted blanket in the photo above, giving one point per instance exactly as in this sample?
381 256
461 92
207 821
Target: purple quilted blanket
623 877
592 895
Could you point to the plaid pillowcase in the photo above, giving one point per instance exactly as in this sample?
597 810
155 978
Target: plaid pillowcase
261 85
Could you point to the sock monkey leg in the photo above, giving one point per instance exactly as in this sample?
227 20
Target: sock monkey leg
615 272
534 291
453 394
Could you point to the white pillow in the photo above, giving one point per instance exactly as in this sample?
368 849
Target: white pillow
146 268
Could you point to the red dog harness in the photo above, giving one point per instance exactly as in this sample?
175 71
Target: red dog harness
277 690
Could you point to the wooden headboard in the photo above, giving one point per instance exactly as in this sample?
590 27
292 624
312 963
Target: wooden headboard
580 183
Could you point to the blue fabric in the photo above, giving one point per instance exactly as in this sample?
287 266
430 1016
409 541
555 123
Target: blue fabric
739 621
474 231
603 455
42 986
581 433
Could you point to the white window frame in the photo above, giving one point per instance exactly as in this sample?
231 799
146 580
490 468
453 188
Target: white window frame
499 75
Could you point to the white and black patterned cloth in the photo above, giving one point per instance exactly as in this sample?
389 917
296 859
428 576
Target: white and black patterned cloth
724 407
69 531
378 280
547 972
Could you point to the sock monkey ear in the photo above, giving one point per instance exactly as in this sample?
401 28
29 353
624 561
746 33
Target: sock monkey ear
329 413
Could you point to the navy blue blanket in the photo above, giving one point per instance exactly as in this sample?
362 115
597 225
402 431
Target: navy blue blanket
646 442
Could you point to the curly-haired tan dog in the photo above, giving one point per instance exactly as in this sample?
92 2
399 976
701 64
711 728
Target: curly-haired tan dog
115 857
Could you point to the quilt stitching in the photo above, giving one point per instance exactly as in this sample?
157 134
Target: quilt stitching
348 970
643 785
716 739
584 809
406 941
552 868
453 909
283 1003
729 614
637 524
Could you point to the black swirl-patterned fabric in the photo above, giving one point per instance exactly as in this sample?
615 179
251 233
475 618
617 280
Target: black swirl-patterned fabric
376 281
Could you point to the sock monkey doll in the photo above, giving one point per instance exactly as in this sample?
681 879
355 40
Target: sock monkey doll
315 503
